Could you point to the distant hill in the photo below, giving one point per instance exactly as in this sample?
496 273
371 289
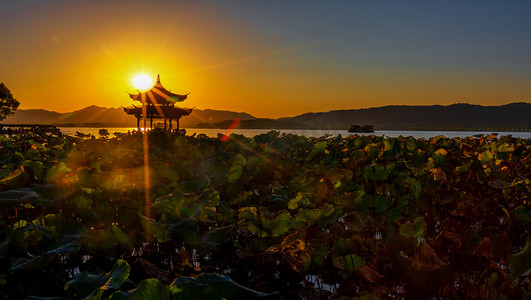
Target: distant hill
33 116
210 116
255 123
510 117
95 116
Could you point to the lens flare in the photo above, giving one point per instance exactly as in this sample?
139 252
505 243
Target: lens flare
142 82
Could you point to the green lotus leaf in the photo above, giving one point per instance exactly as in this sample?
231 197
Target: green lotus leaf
147 289
20 196
376 172
373 150
57 172
300 200
318 257
92 286
521 261
236 169
214 286
65 244
318 148
120 237
255 164
416 229
382 203
100 238
160 231
277 226
486 157
263 226
504 148
463 168
249 213
17 178
348 263
410 144
35 168
216 237
209 199
389 145
35 263
521 214
439 157
323 215
341 247
415 189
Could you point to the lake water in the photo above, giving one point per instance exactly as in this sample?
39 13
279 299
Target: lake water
310 133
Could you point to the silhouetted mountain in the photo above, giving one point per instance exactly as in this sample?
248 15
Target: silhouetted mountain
210 116
510 117
32 116
254 123
94 116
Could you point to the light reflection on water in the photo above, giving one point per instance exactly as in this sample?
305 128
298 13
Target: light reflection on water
310 133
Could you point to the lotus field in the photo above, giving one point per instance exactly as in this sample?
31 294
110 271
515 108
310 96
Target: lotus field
274 216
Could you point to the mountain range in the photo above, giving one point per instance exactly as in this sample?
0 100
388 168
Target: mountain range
462 116
95 116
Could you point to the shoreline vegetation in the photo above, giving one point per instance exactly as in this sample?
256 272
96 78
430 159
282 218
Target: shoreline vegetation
276 215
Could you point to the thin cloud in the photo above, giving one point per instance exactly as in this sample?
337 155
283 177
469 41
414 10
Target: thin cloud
246 59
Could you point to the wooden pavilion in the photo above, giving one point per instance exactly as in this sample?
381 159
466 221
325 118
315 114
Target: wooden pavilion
157 103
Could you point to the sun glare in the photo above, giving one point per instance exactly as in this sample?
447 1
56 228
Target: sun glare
142 82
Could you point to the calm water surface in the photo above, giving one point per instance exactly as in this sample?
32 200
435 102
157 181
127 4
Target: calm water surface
309 133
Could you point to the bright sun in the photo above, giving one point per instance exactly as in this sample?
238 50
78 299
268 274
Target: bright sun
142 82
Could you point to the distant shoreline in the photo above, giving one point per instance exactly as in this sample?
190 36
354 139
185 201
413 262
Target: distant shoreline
292 127
213 132
103 125
216 126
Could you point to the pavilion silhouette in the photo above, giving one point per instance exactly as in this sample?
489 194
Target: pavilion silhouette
157 103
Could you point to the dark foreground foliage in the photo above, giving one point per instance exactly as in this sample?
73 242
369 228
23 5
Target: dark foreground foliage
275 215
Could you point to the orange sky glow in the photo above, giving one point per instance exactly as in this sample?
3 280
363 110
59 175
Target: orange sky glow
66 55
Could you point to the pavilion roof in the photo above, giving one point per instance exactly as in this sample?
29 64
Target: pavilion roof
158 95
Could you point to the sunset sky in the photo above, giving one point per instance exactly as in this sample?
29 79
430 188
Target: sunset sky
268 58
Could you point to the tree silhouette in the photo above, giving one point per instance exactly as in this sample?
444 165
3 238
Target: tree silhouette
8 104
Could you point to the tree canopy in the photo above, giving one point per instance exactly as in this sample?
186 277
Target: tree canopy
8 104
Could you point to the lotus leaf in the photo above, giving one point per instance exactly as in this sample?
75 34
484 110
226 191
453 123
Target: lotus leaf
92 286
147 289
416 229
213 286
521 261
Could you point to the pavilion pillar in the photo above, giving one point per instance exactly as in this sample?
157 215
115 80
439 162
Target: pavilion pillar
170 124
138 123
151 123
178 123
165 124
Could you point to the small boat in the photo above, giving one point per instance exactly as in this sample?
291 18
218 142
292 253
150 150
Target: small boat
361 128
